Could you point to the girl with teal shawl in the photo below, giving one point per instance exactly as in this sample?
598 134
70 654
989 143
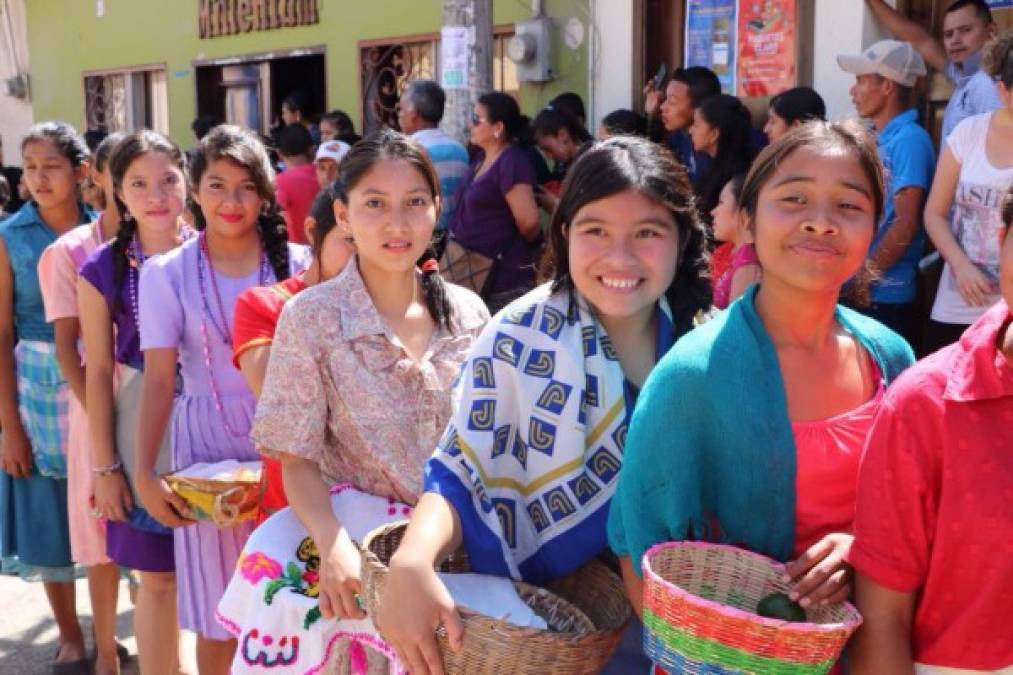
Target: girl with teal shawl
525 472
711 453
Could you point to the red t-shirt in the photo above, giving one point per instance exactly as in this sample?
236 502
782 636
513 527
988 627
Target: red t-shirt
935 500
254 322
297 188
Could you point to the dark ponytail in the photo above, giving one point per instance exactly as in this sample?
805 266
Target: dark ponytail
243 149
389 144
125 151
503 108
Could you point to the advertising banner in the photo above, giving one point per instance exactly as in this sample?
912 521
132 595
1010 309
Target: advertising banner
767 34
710 38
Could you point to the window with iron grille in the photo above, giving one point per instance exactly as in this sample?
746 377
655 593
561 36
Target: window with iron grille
127 100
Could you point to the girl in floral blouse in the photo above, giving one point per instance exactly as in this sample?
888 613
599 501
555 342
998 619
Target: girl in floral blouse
357 392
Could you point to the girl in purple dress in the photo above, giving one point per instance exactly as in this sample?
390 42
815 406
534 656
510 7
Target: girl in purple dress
149 181
186 302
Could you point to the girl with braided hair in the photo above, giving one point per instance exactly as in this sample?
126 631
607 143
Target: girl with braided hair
148 176
357 392
186 300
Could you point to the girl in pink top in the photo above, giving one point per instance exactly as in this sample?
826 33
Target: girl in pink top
58 273
730 227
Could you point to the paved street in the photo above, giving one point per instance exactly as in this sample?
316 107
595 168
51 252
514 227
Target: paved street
28 633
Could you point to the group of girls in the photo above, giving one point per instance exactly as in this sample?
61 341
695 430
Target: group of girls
592 413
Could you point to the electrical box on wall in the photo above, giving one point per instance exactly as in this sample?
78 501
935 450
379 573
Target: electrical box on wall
530 49
17 86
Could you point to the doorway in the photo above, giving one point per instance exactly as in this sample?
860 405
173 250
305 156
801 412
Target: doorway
249 91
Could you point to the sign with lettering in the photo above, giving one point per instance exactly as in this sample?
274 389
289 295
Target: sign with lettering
231 17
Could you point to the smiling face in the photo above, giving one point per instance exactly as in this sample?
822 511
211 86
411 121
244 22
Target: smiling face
228 198
814 220
154 191
965 33
623 253
48 175
390 215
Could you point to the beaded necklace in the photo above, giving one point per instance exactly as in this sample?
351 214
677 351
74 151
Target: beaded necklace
223 330
135 258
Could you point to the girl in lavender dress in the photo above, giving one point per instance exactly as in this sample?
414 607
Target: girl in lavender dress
186 301
149 181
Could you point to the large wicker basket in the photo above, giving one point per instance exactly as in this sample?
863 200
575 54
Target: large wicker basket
699 603
587 613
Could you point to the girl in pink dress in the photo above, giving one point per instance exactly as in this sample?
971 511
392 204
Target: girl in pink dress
59 267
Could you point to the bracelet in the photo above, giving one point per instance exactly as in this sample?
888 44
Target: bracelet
106 470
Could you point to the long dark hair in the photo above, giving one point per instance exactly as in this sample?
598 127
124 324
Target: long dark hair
503 108
731 118
630 163
245 150
389 144
128 149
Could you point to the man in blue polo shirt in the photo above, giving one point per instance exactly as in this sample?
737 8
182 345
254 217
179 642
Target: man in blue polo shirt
885 74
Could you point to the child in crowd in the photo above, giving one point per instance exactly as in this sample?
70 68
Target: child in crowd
34 532
148 174
622 122
58 275
720 131
357 392
186 300
547 391
803 375
256 319
936 477
730 228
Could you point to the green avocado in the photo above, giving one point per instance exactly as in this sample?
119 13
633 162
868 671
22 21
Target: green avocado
780 606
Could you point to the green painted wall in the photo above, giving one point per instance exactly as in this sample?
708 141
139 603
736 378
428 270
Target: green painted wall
66 38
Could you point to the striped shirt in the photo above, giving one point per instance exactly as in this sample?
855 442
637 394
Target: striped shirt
451 162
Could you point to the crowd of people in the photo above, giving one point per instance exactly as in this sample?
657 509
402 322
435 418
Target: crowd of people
684 329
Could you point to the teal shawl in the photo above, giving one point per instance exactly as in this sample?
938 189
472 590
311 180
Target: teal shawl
710 453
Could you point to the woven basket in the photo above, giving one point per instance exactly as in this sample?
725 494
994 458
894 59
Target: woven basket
586 611
223 502
699 603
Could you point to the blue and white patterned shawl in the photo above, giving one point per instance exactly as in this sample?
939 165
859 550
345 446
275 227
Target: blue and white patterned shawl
531 455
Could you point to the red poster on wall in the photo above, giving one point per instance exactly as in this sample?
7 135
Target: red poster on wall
766 37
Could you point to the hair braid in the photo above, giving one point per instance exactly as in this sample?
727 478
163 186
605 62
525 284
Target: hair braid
121 243
274 238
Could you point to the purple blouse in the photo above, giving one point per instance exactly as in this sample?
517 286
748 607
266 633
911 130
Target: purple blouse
99 270
484 223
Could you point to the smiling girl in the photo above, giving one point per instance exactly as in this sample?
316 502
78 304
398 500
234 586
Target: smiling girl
547 391
149 187
186 299
750 430
34 539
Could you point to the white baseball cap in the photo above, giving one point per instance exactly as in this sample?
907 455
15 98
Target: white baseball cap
893 59
333 150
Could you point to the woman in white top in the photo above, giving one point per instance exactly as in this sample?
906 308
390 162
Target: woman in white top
975 170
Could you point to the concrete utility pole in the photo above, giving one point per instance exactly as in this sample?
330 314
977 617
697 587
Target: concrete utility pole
465 61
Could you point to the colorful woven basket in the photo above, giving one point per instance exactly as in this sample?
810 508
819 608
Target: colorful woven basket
586 611
699 604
